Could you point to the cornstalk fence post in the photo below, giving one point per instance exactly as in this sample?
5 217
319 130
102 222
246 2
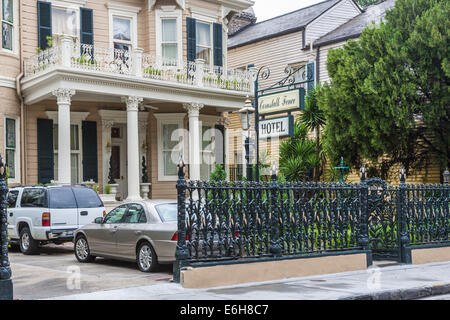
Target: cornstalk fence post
6 286
363 239
402 208
181 253
275 248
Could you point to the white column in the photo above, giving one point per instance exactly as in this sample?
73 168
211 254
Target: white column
133 147
66 50
63 97
193 110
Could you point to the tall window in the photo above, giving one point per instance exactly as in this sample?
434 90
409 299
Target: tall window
65 21
170 144
169 41
75 152
207 152
7 19
204 42
122 34
11 144
169 149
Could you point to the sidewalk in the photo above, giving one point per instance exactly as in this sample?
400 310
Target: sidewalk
382 281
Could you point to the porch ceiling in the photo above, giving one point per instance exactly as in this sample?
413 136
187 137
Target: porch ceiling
104 87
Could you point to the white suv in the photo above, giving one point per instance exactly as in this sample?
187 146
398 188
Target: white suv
39 215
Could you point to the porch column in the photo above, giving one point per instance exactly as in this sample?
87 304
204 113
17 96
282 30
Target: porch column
133 147
193 110
63 99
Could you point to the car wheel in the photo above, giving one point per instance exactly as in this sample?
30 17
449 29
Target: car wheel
81 249
147 260
27 244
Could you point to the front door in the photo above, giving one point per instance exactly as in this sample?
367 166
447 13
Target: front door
119 167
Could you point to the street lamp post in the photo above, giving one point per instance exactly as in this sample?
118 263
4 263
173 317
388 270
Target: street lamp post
245 115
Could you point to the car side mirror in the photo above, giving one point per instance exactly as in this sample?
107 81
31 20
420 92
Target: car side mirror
98 220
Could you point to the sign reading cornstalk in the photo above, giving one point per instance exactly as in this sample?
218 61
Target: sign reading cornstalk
284 97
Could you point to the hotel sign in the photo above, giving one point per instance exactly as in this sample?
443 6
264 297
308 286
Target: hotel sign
281 101
276 127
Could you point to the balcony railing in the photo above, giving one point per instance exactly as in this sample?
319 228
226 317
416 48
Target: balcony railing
139 64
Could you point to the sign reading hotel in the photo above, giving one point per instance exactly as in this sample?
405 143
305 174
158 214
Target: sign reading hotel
282 101
276 127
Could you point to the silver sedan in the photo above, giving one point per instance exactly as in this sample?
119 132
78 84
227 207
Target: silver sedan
141 231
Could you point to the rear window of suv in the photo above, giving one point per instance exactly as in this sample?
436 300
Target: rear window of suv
87 198
34 197
62 198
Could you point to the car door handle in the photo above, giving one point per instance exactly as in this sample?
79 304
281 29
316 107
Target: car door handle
10 214
114 230
84 213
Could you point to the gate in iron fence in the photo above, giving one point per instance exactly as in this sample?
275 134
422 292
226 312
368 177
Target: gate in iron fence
234 222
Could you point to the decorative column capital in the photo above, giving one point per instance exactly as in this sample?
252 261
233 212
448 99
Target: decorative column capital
63 95
193 108
107 124
132 102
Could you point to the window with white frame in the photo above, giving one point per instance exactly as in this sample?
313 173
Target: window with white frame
204 38
11 148
75 152
169 43
170 145
169 35
207 151
208 145
8 25
123 25
122 34
65 21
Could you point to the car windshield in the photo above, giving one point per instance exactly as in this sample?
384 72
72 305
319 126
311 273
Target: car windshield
167 212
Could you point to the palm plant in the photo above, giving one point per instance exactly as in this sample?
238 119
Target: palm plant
297 154
313 118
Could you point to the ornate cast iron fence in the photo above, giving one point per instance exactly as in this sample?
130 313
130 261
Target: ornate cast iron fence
241 221
6 285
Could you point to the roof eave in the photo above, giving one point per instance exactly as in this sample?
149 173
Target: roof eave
275 35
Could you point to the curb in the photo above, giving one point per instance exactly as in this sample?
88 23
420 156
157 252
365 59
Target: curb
404 294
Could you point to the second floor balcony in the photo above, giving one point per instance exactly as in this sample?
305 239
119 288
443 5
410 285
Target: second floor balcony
138 65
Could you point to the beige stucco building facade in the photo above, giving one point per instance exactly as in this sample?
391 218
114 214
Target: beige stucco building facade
117 91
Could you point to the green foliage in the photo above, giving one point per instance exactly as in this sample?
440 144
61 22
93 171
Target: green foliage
396 73
95 187
107 189
366 3
218 174
297 154
153 71
313 118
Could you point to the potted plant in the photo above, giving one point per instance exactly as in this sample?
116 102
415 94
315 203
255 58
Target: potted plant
145 185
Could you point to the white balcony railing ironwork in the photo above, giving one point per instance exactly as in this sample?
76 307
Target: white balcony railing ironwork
139 64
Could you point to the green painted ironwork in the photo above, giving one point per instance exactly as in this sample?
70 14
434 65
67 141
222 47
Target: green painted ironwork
247 220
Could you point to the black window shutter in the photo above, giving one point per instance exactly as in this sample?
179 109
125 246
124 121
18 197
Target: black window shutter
191 39
89 139
44 23
86 26
45 150
220 144
218 57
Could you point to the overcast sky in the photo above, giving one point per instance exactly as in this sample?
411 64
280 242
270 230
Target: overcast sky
266 9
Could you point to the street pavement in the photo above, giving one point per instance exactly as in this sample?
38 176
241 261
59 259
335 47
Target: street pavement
381 281
56 272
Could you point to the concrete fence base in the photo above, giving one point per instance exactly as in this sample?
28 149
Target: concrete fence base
247 272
